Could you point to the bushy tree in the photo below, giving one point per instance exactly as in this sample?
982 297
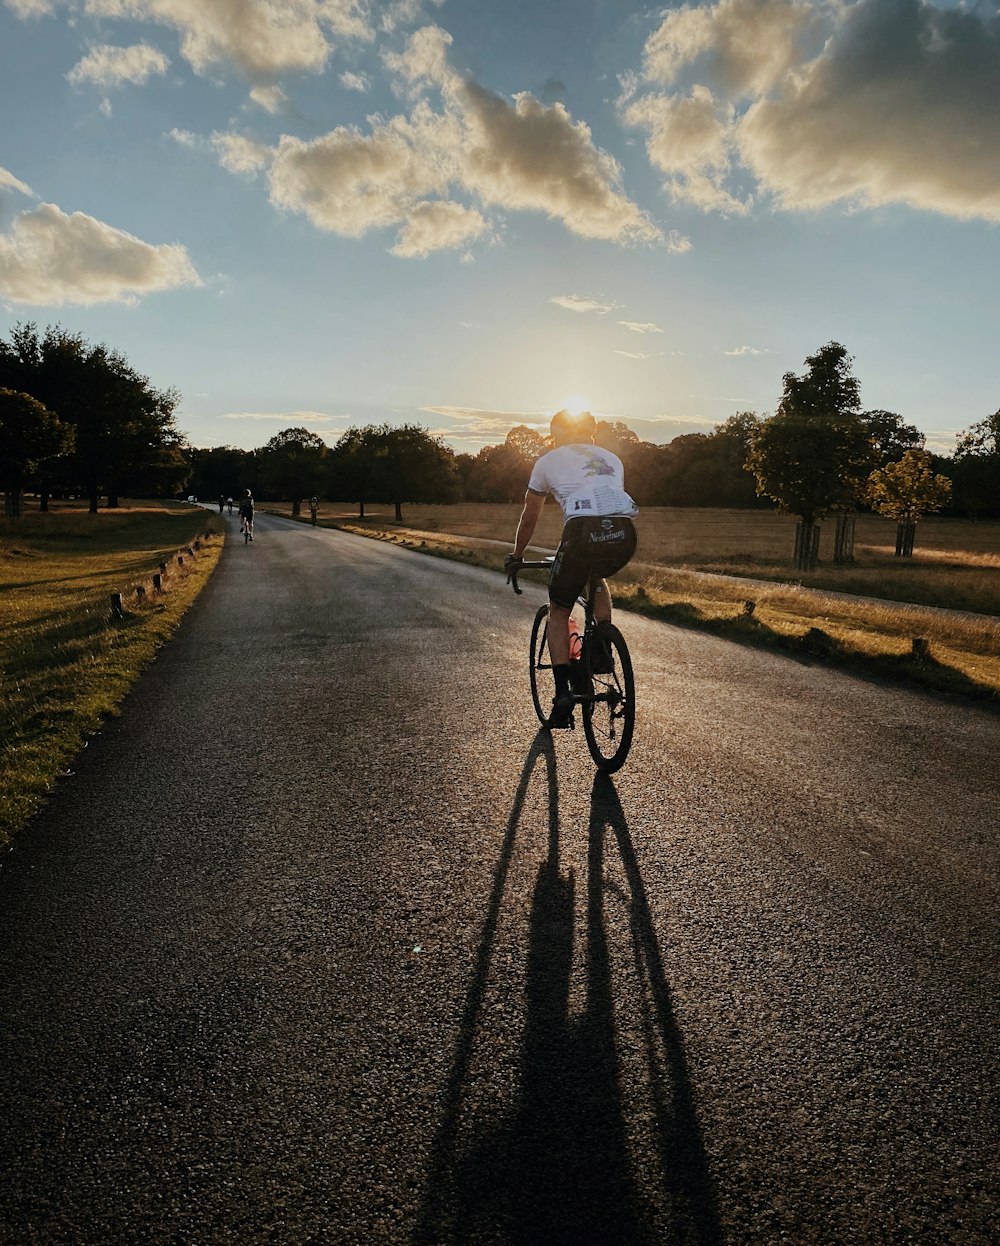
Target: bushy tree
906 491
292 465
29 435
124 427
814 455
890 437
976 467
412 465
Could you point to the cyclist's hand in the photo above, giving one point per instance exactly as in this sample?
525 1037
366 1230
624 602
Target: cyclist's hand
512 563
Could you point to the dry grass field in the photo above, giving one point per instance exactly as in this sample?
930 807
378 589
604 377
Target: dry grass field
956 563
730 572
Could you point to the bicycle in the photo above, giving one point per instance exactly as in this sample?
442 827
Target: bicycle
246 527
601 677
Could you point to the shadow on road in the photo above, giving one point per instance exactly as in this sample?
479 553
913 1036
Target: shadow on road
558 1165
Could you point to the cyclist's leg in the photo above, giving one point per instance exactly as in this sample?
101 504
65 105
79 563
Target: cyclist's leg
558 633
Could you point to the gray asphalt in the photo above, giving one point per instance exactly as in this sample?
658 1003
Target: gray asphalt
323 942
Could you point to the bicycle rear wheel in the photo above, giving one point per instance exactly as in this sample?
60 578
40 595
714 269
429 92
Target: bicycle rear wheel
543 684
609 719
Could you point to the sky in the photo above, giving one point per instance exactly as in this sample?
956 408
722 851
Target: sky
469 213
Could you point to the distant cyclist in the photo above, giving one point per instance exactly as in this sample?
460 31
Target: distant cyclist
598 536
246 514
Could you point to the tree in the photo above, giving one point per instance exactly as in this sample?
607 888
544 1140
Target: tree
125 434
291 465
29 435
219 471
814 455
352 467
905 491
976 467
412 465
890 437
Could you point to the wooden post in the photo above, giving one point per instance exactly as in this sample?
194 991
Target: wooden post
806 545
140 591
117 611
921 647
157 582
843 539
180 560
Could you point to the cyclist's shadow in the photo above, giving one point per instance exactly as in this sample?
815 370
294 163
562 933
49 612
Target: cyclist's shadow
557 1168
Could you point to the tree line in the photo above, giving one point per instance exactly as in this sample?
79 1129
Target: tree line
78 419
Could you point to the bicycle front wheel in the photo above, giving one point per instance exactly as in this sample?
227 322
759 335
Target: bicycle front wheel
609 719
543 685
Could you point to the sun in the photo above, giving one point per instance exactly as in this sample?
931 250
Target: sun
575 404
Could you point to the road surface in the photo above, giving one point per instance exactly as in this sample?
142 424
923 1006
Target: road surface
323 942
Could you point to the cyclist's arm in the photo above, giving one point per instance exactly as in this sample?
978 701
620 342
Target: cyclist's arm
533 503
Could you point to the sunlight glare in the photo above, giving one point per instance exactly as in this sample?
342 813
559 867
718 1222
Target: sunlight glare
575 404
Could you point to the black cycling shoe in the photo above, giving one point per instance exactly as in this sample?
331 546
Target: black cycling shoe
562 711
601 657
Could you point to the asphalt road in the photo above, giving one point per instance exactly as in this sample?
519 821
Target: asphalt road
323 942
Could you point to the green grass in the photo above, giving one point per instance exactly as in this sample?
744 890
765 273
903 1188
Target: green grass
65 662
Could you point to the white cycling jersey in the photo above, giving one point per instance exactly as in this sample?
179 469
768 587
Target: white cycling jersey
584 480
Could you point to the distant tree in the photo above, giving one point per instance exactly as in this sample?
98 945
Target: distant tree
906 491
219 471
29 435
352 467
412 465
814 455
975 467
291 465
890 437
527 442
498 474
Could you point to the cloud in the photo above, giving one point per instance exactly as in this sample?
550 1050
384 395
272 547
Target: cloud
109 66
633 354
30 8
863 103
745 350
576 303
418 172
482 426
291 418
49 259
260 38
636 326
236 153
9 182
438 225
356 82
271 98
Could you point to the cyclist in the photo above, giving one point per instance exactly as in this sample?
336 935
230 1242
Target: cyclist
598 536
246 514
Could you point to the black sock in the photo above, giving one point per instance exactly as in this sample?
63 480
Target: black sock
561 673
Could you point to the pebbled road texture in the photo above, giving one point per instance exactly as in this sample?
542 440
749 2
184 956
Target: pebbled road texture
323 942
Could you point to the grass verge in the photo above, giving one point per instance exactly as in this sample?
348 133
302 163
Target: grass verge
960 655
66 658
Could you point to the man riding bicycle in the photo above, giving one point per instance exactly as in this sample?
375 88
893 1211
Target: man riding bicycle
246 514
598 536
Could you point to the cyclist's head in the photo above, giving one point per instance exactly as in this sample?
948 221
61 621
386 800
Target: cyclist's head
569 429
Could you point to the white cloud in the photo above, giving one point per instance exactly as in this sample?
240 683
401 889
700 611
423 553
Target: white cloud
745 350
271 98
577 303
290 418
861 102
260 38
30 8
356 82
637 326
633 354
239 154
9 182
438 225
109 66
412 171
49 259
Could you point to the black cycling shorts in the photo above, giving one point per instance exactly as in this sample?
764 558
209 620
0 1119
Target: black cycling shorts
591 546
